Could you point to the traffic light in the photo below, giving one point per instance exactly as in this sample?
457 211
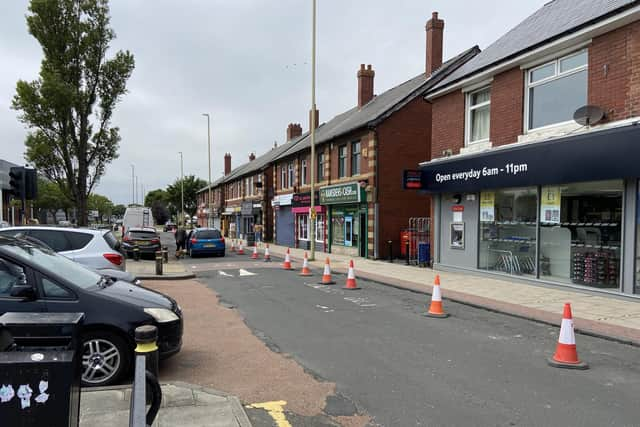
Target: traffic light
30 184
16 175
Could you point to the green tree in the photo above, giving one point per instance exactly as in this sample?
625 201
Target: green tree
118 210
191 186
158 195
51 197
158 200
68 109
99 203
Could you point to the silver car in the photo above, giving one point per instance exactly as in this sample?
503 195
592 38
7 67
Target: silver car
97 249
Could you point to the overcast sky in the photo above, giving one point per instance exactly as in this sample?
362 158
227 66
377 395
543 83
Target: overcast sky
247 63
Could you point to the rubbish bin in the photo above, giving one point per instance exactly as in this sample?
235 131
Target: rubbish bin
424 253
251 239
40 371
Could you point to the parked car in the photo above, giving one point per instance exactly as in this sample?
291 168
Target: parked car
203 241
170 226
35 279
98 249
147 240
137 217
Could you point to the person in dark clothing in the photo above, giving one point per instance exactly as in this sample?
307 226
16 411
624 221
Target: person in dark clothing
181 238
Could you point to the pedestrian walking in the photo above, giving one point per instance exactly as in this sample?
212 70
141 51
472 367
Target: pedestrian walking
181 238
257 229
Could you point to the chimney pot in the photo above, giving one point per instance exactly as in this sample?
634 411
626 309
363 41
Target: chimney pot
294 130
252 156
227 164
435 30
365 85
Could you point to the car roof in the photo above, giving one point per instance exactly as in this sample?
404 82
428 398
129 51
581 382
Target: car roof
44 227
143 229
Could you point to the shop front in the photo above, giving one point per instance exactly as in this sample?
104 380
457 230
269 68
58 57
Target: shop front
284 220
562 211
300 206
346 218
231 222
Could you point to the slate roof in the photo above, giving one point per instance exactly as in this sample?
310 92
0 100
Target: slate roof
381 106
554 20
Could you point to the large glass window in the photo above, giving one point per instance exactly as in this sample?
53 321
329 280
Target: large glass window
355 158
303 227
342 161
580 231
508 230
556 89
478 113
320 228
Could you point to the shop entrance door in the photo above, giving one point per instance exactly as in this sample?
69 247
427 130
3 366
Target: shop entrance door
363 235
348 231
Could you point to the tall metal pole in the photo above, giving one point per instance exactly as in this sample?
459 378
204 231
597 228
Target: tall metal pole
133 191
181 191
209 220
312 210
136 196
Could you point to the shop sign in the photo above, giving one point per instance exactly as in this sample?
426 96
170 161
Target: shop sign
591 156
300 200
412 180
550 205
457 208
487 206
246 209
341 193
282 200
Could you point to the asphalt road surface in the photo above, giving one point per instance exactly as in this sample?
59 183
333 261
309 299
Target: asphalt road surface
476 368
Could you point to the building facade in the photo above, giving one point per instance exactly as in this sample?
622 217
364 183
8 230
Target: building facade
533 167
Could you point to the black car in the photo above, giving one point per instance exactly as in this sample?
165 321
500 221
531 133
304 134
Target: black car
35 279
146 239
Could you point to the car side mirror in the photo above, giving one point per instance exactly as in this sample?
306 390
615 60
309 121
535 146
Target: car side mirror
26 292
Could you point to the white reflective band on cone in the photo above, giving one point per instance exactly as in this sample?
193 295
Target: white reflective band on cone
566 332
436 296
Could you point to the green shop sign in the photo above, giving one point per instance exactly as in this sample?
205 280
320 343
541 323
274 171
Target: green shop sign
341 193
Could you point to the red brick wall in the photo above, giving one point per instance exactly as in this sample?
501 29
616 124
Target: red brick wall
614 72
404 140
507 107
448 124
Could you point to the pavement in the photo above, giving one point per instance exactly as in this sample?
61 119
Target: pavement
146 270
595 313
183 404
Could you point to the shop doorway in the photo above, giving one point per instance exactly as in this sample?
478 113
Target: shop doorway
363 235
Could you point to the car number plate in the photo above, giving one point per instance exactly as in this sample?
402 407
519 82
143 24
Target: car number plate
208 245
141 242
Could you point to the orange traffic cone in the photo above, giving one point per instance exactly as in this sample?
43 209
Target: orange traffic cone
326 275
287 261
267 257
254 255
240 251
305 267
233 245
351 279
435 309
566 354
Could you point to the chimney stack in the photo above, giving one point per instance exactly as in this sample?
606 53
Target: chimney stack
294 130
227 164
317 117
252 157
365 85
435 30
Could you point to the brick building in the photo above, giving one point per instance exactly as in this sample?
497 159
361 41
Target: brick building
360 156
534 150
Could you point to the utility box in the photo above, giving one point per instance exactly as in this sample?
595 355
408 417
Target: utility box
40 374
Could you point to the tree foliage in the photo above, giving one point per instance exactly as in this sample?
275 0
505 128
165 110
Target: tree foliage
158 200
51 197
68 109
191 186
118 210
100 203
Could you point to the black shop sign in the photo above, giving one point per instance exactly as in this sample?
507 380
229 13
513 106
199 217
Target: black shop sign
302 200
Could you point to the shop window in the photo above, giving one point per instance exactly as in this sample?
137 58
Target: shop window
291 176
580 231
303 227
508 231
320 170
337 230
342 161
303 177
556 89
478 113
319 228
355 158
637 285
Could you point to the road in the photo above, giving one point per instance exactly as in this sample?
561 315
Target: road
476 368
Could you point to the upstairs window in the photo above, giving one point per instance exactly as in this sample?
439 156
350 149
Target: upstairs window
478 115
320 170
283 176
355 158
303 173
342 161
556 89
291 177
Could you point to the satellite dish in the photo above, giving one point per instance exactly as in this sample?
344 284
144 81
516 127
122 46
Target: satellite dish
588 115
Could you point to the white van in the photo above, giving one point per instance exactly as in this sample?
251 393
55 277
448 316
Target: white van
137 217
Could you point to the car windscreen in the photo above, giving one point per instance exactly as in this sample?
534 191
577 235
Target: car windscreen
208 234
48 261
142 234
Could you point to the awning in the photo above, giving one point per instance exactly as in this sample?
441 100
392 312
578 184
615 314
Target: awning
607 154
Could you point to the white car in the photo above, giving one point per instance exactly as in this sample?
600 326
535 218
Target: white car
97 249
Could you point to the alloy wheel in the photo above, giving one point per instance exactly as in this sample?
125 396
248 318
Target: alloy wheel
100 361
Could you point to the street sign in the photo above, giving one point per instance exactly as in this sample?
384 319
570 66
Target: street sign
312 213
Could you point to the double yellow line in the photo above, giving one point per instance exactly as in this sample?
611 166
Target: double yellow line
275 410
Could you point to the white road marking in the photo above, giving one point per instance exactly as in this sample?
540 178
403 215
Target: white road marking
244 272
222 273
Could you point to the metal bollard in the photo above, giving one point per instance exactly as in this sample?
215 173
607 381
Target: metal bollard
390 246
159 263
146 337
406 245
136 253
165 254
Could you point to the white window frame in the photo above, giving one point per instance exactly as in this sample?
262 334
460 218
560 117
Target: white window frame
468 109
283 176
303 172
290 174
556 76
303 226
320 219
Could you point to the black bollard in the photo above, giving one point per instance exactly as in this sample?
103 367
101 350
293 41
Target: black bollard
146 337
406 245
390 246
136 253
159 263
165 254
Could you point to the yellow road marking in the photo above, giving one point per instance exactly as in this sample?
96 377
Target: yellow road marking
275 410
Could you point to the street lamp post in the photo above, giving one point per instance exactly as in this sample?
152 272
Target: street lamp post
181 191
209 220
312 209
133 183
136 195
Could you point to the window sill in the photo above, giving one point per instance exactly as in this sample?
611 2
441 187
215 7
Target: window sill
476 147
550 131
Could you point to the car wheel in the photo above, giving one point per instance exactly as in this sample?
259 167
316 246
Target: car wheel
105 358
